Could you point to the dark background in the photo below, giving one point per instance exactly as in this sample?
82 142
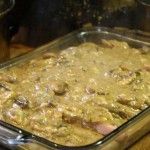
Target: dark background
45 20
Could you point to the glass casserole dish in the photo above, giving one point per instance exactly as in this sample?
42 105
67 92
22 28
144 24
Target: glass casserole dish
130 131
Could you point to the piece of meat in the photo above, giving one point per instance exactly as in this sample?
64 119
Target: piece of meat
147 68
131 102
11 79
21 101
49 55
107 44
59 87
7 78
113 43
89 90
5 86
145 50
102 128
121 110
124 76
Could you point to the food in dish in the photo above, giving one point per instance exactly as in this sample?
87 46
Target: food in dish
77 96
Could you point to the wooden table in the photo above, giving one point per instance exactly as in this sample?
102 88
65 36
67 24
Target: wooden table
142 144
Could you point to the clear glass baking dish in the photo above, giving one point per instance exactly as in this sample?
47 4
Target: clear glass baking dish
121 138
